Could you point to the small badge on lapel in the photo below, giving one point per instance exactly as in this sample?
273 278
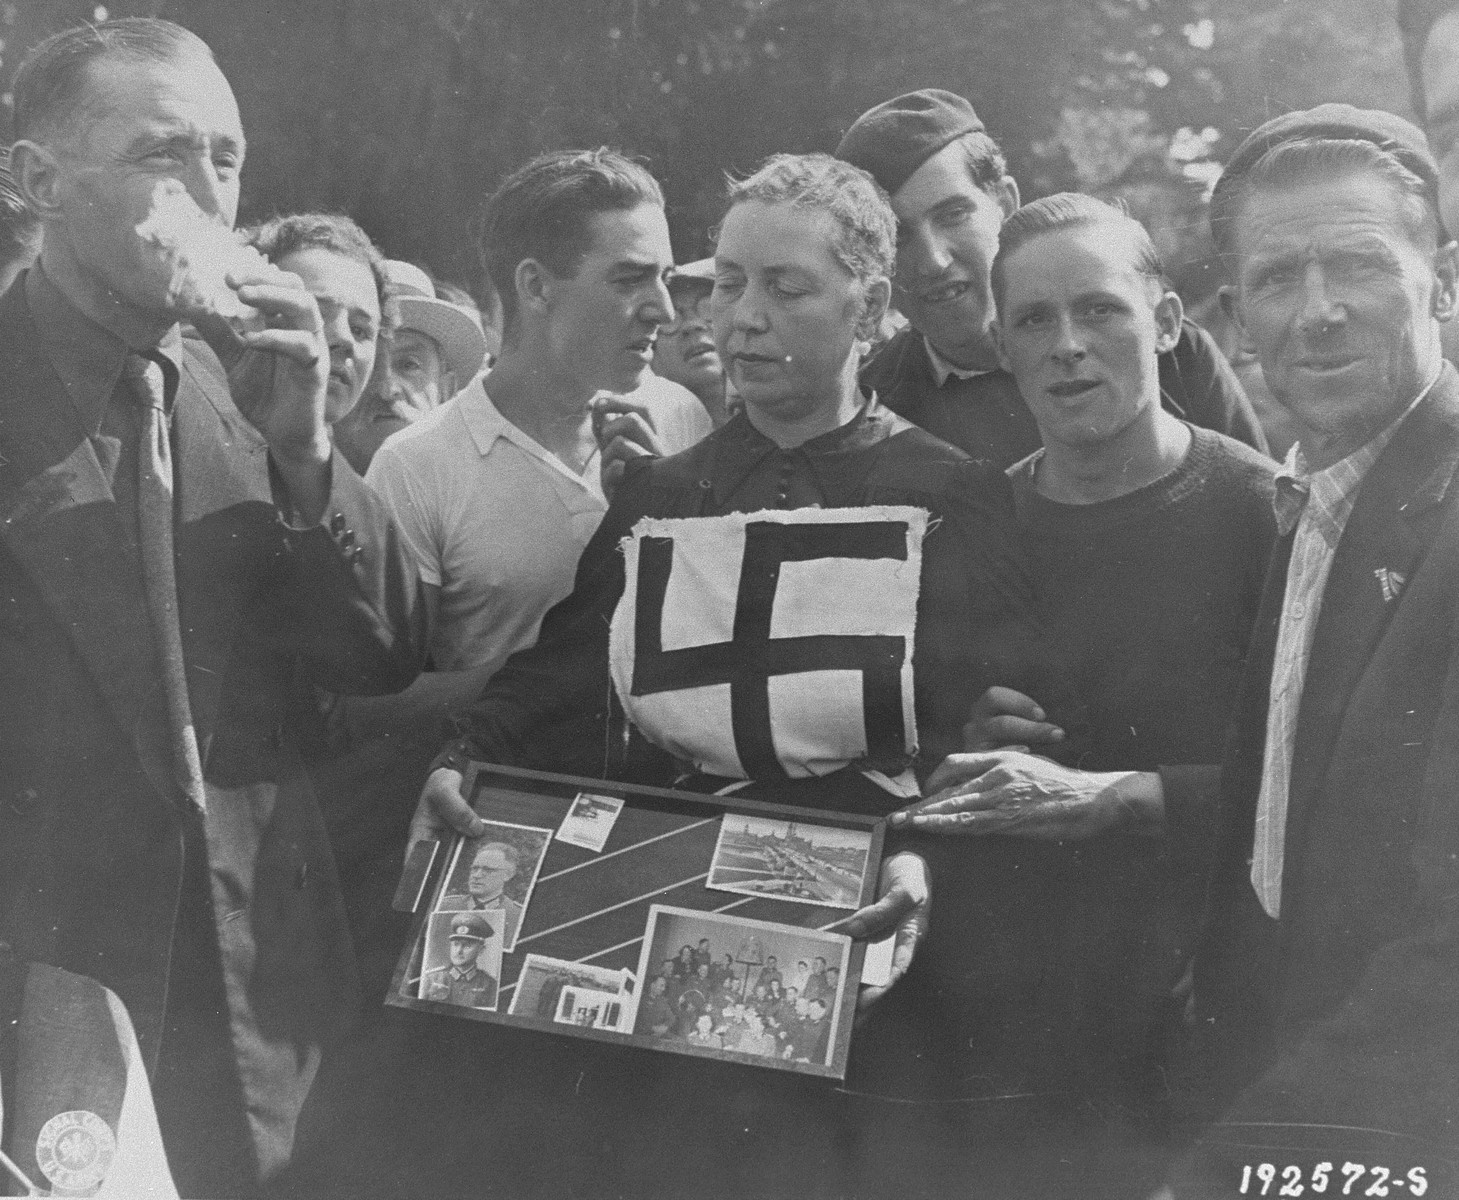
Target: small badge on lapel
1391 582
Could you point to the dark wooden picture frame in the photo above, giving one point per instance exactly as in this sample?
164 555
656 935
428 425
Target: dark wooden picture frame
593 907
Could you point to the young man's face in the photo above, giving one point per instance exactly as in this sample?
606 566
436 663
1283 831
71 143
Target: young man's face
463 952
1080 330
1439 71
349 304
604 318
947 236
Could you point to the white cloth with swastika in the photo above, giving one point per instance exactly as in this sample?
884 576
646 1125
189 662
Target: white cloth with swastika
817 717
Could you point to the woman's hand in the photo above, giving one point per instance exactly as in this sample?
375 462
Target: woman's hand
903 906
1003 717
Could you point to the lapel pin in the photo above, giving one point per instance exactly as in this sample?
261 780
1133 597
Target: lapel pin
1391 582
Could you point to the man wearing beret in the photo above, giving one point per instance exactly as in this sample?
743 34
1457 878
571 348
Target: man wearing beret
951 191
1327 981
464 981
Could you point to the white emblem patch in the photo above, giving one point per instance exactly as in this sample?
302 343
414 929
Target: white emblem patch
74 1151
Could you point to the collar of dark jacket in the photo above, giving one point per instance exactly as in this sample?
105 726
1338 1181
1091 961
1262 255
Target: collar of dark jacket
1424 453
742 448
87 357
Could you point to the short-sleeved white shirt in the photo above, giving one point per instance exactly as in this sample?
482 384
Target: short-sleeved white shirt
679 418
491 518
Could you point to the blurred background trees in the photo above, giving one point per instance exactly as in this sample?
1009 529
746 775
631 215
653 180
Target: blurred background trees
405 113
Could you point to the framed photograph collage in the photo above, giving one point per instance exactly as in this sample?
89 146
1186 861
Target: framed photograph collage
702 925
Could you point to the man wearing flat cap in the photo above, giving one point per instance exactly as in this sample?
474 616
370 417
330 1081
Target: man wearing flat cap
951 191
1327 982
464 981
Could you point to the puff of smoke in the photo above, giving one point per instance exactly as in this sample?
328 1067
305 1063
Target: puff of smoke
200 253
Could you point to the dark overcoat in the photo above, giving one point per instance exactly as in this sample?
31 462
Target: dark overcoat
1337 1026
96 840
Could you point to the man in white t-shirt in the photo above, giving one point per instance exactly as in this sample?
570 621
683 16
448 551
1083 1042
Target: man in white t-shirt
497 491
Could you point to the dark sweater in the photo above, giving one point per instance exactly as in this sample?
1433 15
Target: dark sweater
1149 600
1049 964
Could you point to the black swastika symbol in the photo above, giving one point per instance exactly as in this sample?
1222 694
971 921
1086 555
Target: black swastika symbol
748 661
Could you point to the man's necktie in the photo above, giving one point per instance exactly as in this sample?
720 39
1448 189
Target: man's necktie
147 376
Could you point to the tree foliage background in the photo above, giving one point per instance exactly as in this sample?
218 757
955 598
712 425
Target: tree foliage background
405 113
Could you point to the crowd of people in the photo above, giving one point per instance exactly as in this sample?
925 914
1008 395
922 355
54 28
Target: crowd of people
287 542
720 1004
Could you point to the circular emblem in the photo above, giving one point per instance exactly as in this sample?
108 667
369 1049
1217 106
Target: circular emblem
74 1150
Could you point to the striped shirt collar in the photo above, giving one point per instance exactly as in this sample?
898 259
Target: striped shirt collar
1332 491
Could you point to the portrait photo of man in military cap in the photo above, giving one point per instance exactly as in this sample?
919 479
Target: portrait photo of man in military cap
495 873
463 958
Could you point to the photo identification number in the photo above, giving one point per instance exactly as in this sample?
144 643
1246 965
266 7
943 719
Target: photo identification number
1327 1179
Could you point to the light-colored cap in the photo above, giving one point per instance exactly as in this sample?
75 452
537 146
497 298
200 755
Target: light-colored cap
455 330
700 270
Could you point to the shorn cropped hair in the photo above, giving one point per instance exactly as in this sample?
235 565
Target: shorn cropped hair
1073 210
866 244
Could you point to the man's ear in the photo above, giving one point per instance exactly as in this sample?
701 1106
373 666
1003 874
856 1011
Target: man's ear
534 286
1230 299
1005 191
996 329
37 174
1169 312
874 303
1446 281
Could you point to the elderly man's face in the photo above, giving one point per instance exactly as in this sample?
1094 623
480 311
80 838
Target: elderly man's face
410 382
947 236
143 123
1080 331
1337 298
1439 70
